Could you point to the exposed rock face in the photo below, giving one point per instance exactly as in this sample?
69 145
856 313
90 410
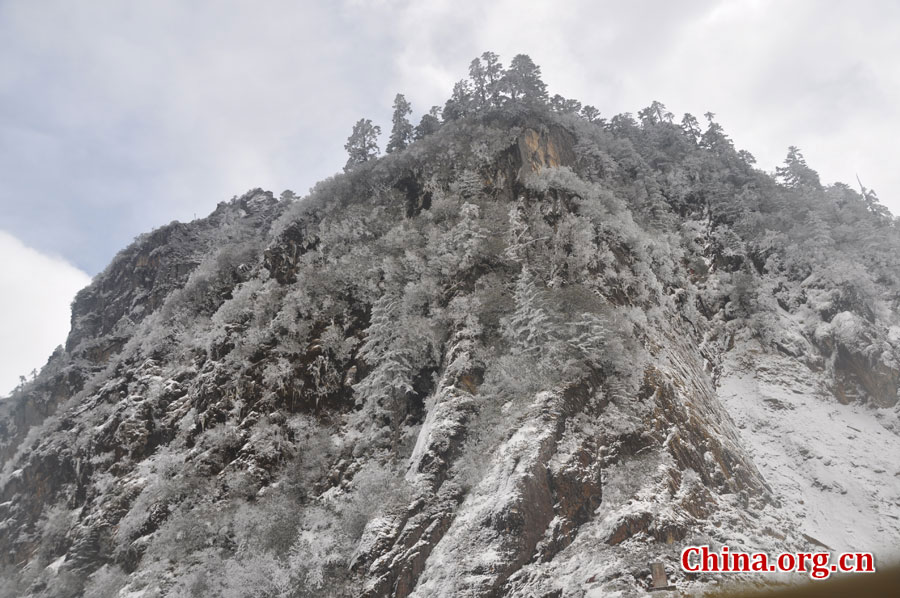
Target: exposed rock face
281 258
877 379
54 387
505 521
545 147
136 283
492 364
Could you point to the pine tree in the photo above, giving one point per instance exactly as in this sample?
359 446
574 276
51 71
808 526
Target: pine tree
564 106
748 158
662 113
714 137
392 372
623 124
402 131
493 74
523 81
465 349
460 102
529 328
463 243
872 203
362 145
819 240
478 76
795 173
429 124
589 337
655 113
691 127
590 113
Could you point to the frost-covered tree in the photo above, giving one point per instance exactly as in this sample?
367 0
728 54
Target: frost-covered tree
655 113
493 75
714 138
398 345
691 127
466 352
462 244
383 393
588 339
873 204
518 235
391 377
747 157
529 328
460 102
402 130
478 76
362 145
564 105
744 295
429 124
795 173
522 81
590 113
623 124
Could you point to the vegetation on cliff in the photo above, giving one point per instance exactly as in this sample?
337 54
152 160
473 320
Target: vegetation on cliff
412 379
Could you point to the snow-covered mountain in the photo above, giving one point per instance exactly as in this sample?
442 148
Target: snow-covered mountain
527 355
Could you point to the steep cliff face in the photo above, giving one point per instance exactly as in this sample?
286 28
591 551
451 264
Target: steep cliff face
135 285
516 358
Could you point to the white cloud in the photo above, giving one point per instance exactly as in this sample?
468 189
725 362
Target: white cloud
36 291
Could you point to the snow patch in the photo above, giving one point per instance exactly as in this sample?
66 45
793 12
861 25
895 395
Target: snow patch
833 467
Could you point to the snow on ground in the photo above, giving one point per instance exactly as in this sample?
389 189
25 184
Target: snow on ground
55 565
834 467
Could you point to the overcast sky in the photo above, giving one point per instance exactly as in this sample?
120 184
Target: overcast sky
118 117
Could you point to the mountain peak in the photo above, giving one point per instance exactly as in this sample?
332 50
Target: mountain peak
527 353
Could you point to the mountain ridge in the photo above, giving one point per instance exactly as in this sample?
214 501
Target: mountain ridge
319 381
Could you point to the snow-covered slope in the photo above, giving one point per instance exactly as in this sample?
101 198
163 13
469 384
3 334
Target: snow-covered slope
834 468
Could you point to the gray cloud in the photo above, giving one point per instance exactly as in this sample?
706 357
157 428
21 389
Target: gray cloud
117 117
132 115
